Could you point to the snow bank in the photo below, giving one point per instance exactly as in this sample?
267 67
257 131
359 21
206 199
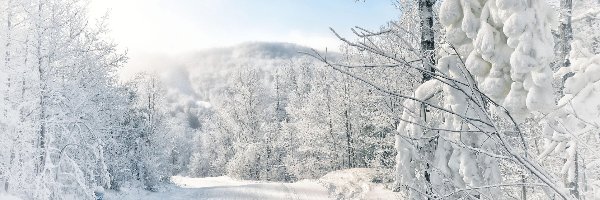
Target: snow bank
4 196
358 183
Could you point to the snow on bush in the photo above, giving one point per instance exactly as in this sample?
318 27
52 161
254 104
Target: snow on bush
357 183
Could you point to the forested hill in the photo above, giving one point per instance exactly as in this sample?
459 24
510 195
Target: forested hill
265 50
194 73
192 79
265 111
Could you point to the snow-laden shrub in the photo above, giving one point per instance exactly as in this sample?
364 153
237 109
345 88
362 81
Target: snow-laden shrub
245 164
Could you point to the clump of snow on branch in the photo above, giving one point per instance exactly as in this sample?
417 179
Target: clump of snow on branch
574 125
512 47
506 46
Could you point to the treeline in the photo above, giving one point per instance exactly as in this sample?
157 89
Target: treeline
300 120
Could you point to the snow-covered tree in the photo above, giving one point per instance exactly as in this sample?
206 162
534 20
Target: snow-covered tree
495 74
58 89
144 137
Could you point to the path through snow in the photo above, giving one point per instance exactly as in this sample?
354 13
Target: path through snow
343 184
226 188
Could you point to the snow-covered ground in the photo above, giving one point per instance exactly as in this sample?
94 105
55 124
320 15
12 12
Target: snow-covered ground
359 183
8 197
344 184
226 188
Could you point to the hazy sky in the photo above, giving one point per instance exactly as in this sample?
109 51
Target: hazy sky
171 27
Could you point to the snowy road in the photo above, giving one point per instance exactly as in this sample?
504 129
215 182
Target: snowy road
227 188
343 184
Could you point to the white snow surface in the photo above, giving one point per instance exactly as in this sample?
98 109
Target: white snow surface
4 196
225 188
357 183
344 184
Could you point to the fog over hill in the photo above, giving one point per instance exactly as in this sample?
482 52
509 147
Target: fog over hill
265 50
193 78
195 73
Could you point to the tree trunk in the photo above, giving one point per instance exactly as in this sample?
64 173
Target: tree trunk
42 98
566 37
565 32
7 65
348 125
524 188
427 37
573 185
428 56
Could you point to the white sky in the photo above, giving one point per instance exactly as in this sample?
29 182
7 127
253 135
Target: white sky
163 28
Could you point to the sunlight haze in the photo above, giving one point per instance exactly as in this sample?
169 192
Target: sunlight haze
161 28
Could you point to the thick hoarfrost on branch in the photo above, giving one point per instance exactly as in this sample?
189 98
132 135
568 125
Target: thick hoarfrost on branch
512 47
506 46
577 117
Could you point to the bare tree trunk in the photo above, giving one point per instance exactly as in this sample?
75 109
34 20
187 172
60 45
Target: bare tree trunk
565 32
428 56
348 125
43 87
524 188
427 37
566 37
574 185
7 64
